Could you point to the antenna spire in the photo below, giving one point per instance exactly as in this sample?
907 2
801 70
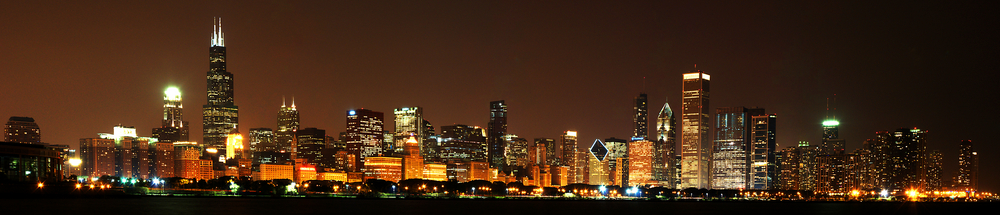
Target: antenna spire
218 37
282 101
828 107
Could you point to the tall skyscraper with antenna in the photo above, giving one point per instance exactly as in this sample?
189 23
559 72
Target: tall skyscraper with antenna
288 124
640 117
220 115
832 143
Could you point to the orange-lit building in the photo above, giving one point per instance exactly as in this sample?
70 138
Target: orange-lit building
640 163
355 177
479 170
384 168
560 176
274 171
435 172
305 173
413 163
332 176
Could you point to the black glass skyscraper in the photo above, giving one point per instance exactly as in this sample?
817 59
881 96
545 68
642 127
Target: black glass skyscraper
640 118
220 115
495 131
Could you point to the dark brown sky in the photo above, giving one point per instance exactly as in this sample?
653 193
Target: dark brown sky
81 68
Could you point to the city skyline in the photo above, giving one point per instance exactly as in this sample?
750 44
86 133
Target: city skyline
256 63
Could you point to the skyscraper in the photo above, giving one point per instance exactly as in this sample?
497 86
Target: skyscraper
288 124
663 146
598 164
618 161
763 166
22 130
517 151
640 118
462 143
832 143
429 148
541 155
409 123
798 167
173 127
364 135
262 140
731 145
695 131
220 115
934 163
568 155
908 156
640 162
968 167
495 131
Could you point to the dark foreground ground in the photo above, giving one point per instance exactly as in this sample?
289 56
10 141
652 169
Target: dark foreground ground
276 206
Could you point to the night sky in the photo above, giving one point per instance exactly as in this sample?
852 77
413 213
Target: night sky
81 68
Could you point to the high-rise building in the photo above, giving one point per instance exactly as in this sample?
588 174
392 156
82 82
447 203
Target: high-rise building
798 167
763 166
640 118
517 151
934 163
161 162
695 125
262 140
968 167
538 153
97 157
310 144
582 167
640 163
22 130
663 146
173 128
364 134
409 123
833 173
462 143
125 154
730 148
429 148
288 124
567 157
220 115
188 162
495 131
598 163
876 154
832 143
908 159
618 161
413 164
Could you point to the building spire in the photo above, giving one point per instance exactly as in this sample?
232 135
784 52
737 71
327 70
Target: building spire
293 102
218 37
282 101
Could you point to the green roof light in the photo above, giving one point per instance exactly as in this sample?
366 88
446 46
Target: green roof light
831 123
173 94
